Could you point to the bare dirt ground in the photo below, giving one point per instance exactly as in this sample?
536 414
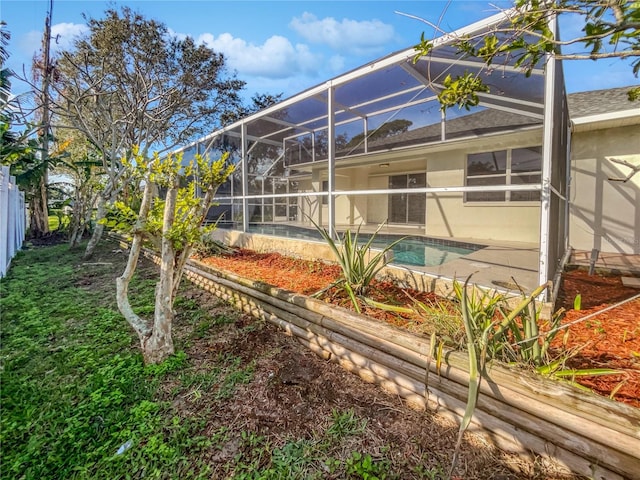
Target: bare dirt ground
294 393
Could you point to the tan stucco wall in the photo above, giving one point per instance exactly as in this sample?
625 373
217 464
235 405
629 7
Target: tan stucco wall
447 215
605 214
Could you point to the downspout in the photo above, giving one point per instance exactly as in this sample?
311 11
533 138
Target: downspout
569 177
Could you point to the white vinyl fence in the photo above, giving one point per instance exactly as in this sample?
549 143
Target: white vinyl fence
12 219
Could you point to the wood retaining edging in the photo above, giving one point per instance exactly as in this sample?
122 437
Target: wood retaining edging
517 411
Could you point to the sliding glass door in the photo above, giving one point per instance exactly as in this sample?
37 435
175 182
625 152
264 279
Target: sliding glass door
407 208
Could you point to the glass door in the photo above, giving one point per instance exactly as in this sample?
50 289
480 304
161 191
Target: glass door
407 208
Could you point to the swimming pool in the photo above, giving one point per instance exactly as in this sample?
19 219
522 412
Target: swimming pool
413 250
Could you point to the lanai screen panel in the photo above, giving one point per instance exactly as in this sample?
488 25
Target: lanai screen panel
397 106
558 199
189 154
392 98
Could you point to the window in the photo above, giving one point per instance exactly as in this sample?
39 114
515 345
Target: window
325 188
519 166
407 208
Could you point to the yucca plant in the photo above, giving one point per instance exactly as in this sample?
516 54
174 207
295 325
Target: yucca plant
515 337
478 324
359 266
478 309
519 331
487 338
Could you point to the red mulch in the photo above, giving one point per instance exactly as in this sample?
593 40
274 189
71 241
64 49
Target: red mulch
611 339
297 275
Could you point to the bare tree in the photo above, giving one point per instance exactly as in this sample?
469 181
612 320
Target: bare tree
129 83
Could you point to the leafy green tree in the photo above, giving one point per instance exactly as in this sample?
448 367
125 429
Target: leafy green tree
259 101
81 178
610 29
5 73
173 224
129 82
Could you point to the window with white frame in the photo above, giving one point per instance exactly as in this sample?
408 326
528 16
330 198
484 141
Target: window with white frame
517 166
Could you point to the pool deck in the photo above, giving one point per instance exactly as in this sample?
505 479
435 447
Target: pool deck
495 266
501 265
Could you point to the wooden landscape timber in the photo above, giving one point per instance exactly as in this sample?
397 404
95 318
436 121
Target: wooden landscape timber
517 410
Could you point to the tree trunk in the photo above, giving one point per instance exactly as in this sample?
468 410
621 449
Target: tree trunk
39 224
122 292
98 230
160 344
77 216
186 252
140 326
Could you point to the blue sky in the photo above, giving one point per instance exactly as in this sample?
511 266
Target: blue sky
288 46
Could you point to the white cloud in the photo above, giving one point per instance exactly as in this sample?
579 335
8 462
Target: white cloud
337 63
178 35
360 37
277 57
62 37
63 34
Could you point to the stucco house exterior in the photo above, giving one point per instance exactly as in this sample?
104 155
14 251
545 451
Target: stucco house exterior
604 195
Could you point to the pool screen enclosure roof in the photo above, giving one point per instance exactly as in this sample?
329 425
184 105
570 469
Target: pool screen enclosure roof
377 91
334 123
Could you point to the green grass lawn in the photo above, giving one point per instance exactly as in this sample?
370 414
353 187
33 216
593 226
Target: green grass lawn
77 401
74 388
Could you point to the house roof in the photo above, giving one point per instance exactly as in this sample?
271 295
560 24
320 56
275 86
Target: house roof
479 122
602 109
599 102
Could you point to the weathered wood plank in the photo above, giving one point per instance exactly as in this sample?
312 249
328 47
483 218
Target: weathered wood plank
597 409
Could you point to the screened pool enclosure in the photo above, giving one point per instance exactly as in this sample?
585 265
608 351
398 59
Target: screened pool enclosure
373 146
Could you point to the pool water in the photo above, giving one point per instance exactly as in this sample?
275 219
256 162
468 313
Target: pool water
411 251
423 251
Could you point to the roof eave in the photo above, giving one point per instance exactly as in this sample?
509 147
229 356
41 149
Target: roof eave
606 120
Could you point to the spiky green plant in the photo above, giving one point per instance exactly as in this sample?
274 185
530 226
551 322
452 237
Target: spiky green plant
478 309
515 337
359 266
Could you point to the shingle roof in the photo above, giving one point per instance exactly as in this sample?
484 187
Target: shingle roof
479 123
596 102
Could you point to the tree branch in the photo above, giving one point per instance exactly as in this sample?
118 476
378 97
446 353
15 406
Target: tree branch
140 326
634 169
